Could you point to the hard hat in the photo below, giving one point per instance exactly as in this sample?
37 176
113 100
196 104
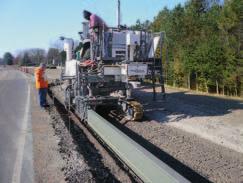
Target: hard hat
42 65
87 14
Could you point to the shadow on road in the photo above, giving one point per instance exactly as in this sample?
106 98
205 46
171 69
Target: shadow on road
183 104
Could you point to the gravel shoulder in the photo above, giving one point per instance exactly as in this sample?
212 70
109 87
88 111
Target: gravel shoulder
216 119
47 160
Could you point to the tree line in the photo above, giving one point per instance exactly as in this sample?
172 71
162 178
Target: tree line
202 46
34 56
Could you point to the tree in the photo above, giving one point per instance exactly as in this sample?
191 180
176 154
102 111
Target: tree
8 58
141 26
36 55
25 60
17 60
33 56
53 54
63 57
204 44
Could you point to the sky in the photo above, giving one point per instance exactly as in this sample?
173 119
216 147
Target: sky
37 23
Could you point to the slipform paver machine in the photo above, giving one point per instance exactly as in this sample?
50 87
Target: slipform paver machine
109 64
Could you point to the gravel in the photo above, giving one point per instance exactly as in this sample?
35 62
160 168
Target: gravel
214 118
85 160
47 160
215 162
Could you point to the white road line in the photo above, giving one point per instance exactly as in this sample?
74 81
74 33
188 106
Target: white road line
16 178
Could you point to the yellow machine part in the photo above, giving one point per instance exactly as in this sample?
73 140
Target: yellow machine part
138 110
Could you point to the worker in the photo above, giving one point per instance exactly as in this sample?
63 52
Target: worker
41 84
97 25
94 20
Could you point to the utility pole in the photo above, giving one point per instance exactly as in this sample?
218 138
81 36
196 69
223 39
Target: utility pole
118 13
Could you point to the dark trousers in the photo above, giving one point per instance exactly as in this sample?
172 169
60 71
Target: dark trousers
42 96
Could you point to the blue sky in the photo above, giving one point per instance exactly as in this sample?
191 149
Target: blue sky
36 23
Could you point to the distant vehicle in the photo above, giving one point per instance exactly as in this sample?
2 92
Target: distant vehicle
51 66
32 65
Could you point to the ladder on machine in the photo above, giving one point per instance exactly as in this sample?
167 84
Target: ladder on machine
158 66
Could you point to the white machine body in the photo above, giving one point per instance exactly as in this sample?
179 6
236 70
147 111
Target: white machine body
71 68
124 71
68 48
85 30
120 45
123 44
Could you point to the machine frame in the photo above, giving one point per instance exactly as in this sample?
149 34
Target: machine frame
107 81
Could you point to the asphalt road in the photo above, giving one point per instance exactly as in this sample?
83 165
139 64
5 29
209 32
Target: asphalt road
15 127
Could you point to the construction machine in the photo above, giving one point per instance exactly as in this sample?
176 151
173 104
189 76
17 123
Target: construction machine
111 62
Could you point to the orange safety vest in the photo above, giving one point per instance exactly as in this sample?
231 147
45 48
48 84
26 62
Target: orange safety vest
39 79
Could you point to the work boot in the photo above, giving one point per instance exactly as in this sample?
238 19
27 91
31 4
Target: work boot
46 105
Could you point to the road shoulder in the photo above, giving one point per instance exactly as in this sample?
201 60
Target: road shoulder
47 160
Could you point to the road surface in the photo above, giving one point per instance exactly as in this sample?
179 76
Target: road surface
15 127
